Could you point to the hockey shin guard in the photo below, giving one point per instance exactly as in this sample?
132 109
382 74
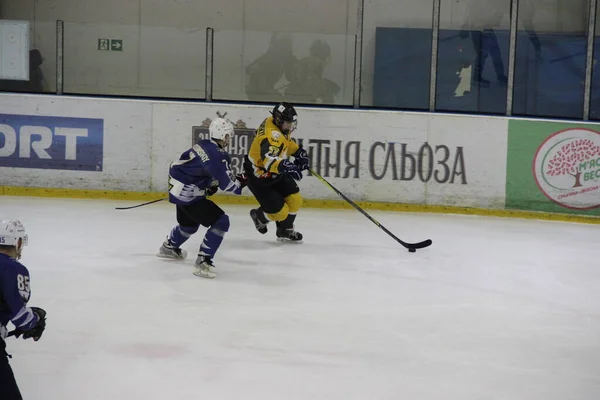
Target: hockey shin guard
180 234
214 236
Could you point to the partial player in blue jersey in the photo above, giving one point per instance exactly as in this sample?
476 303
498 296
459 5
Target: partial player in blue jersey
14 295
199 173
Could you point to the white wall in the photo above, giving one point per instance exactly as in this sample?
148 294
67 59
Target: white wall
127 143
166 55
164 40
366 154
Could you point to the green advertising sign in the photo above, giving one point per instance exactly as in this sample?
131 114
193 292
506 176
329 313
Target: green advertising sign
553 167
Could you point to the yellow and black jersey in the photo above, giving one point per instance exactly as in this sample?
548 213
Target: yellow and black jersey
268 149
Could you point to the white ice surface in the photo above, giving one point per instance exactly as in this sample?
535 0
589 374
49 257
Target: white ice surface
496 309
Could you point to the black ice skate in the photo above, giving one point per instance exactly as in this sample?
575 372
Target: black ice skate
255 214
288 235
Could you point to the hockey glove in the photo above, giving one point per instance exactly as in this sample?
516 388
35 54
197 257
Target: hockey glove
242 179
292 169
211 190
35 332
301 159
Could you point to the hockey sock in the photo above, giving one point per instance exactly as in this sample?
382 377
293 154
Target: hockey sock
214 236
180 234
261 216
287 223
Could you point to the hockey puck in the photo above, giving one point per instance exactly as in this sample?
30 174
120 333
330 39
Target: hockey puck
411 250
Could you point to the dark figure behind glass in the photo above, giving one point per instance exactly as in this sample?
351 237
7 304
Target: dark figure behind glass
481 20
308 84
36 77
268 69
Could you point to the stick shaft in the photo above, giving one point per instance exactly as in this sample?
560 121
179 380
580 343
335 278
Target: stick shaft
139 205
363 212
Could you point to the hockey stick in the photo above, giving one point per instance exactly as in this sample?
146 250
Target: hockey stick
17 334
139 205
410 246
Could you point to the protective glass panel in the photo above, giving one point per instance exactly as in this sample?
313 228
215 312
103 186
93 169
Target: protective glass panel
472 56
550 58
133 60
301 68
396 54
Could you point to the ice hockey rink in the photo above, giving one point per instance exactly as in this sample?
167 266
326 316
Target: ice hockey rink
501 309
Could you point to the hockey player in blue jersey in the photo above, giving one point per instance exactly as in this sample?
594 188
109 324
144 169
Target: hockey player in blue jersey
198 173
14 295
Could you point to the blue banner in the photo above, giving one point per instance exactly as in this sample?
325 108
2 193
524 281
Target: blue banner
30 141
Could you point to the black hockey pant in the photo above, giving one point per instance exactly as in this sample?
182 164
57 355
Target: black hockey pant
8 385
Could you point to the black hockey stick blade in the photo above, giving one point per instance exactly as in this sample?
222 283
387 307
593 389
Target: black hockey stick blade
15 332
139 205
412 247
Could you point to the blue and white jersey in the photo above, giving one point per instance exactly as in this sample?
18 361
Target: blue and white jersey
202 166
14 295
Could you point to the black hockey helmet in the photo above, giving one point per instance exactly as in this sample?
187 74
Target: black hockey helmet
285 117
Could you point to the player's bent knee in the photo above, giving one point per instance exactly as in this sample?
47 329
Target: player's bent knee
188 230
280 215
294 202
222 223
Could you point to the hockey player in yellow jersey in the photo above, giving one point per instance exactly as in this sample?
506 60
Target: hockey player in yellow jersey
272 175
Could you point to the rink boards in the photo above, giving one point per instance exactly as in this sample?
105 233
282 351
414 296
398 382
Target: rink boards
80 147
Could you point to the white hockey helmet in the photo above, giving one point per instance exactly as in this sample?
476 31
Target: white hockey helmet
221 129
12 233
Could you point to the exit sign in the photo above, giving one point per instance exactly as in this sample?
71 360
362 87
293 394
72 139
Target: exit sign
110 44
116 44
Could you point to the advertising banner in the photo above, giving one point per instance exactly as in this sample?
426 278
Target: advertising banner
553 167
369 155
40 142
